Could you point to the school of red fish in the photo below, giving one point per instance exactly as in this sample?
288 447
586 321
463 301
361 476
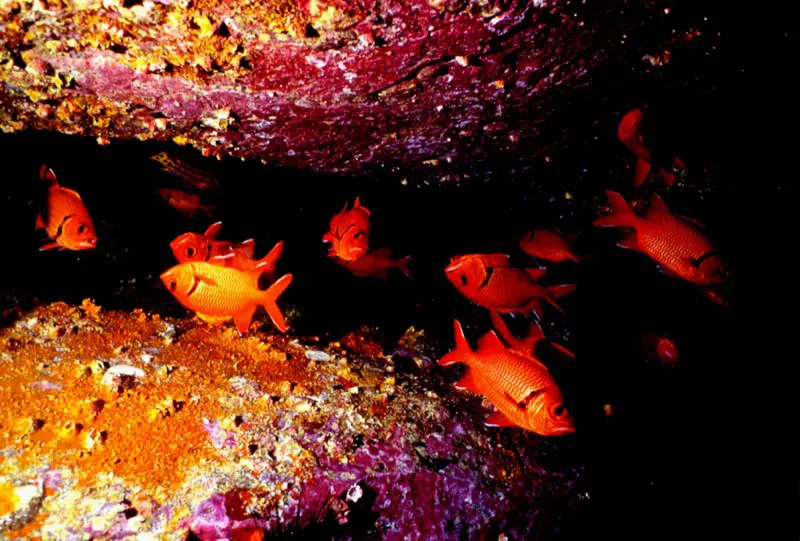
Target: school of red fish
219 279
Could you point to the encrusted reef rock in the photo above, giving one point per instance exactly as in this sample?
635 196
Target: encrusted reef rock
327 85
116 424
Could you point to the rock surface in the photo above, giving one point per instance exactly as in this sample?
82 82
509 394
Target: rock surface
117 424
442 86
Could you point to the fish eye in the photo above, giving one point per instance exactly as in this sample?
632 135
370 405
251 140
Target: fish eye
559 411
173 285
81 228
190 251
358 234
463 279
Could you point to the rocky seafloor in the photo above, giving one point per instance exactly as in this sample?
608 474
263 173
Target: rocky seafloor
127 425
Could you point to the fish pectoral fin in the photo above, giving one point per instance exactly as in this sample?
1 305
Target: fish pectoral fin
498 419
523 402
222 260
206 280
699 260
497 260
467 383
48 246
213 230
243 319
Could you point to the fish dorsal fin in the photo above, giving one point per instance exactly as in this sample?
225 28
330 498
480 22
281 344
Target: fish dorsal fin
247 247
497 260
222 260
536 273
658 209
48 175
499 420
523 346
490 342
357 205
71 192
461 339
468 383
213 230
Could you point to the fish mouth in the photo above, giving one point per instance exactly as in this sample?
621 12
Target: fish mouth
561 430
87 244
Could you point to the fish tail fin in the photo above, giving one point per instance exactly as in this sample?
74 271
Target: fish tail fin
462 350
269 298
402 264
621 213
640 171
270 260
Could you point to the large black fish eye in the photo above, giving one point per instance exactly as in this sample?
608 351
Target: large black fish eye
81 228
190 251
358 234
173 285
463 279
560 411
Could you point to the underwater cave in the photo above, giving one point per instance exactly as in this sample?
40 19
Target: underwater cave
452 269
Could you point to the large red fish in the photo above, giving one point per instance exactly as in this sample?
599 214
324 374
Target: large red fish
548 245
519 385
204 247
64 218
675 243
349 233
377 263
491 281
218 293
630 136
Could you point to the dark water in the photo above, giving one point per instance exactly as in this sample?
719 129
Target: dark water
702 447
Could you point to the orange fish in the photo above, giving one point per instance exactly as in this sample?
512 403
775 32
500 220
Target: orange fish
65 218
204 247
659 346
376 263
349 233
548 245
528 344
491 281
218 293
186 203
628 133
677 245
518 385
191 175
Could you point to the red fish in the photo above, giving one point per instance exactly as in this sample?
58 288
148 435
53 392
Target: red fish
528 344
377 263
674 242
660 347
349 233
218 293
204 247
548 245
628 133
491 281
186 203
65 218
518 385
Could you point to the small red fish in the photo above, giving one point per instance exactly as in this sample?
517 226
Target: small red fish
186 203
218 293
518 385
349 233
204 247
548 245
674 242
528 344
65 218
659 347
491 281
628 133
377 263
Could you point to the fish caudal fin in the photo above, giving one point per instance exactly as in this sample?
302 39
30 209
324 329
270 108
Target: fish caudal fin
271 295
243 319
621 213
462 349
640 172
402 264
